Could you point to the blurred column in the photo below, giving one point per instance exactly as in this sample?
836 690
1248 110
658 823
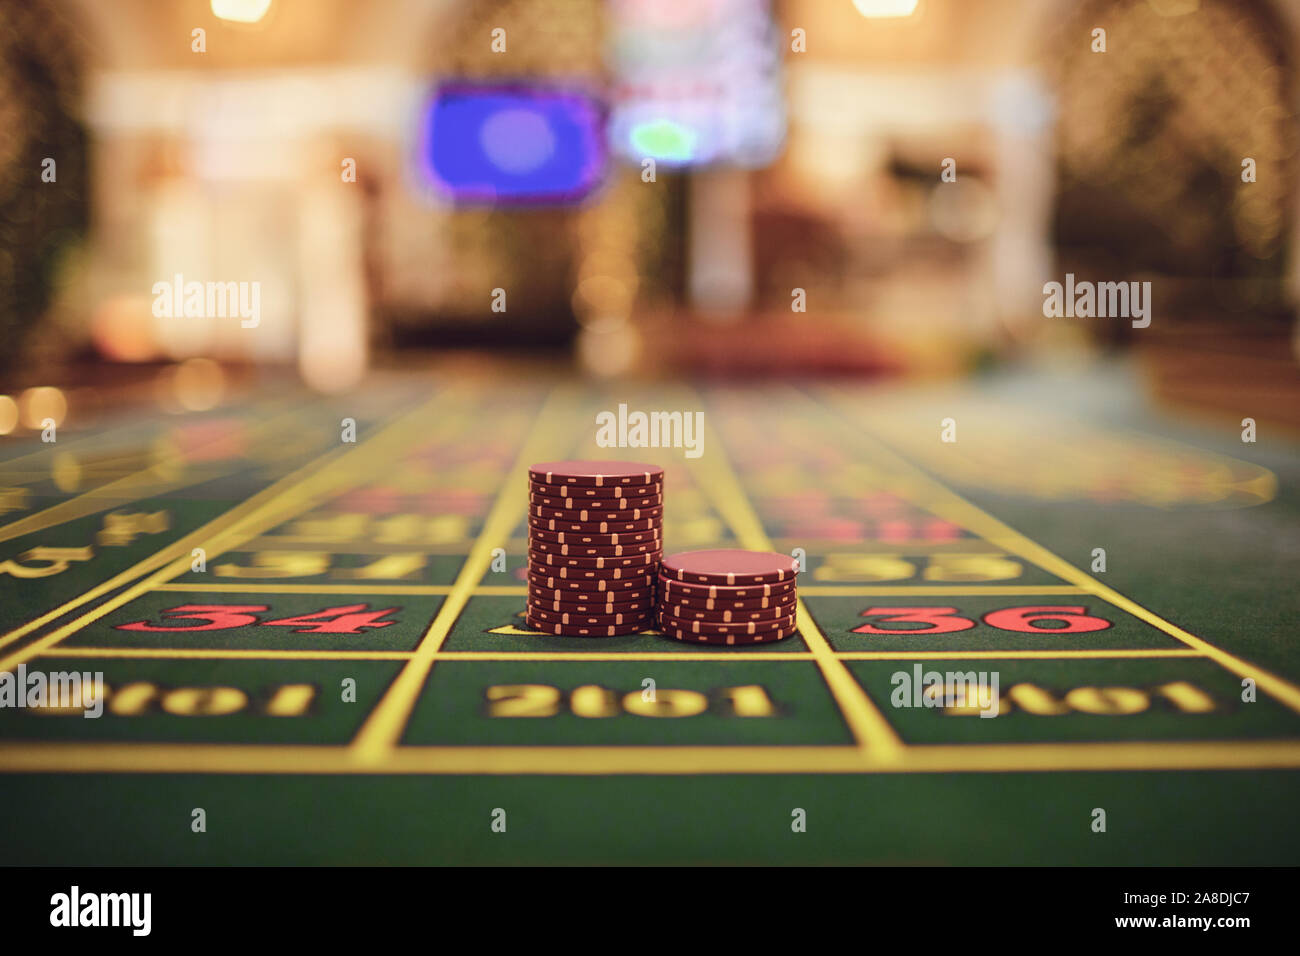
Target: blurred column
180 237
332 343
720 273
1025 160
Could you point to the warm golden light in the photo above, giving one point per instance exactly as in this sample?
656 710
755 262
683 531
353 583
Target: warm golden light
608 347
123 329
199 384
241 11
65 471
39 404
879 9
8 414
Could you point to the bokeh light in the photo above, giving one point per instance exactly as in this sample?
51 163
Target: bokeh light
241 11
883 9
608 347
8 414
517 141
65 471
36 405
963 211
123 329
200 384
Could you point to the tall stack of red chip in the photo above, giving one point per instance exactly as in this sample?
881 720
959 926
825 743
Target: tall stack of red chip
727 596
594 542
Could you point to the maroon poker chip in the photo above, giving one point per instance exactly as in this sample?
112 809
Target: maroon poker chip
597 630
613 526
785 600
543 560
735 627
587 492
600 579
728 617
674 590
583 594
730 567
593 551
734 640
648 537
614 506
641 618
596 473
643 605
592 516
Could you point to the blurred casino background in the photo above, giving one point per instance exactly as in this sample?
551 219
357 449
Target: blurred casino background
502 144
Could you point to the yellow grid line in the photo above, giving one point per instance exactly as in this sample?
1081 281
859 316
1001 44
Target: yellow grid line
1090 654
867 724
382 729
235 653
223 653
360 587
956 590
58 756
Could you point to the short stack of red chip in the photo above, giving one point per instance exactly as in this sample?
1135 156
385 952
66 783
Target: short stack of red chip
594 543
727 596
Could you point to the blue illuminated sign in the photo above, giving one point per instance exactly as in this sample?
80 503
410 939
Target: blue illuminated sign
505 145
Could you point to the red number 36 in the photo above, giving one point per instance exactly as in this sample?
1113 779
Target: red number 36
945 620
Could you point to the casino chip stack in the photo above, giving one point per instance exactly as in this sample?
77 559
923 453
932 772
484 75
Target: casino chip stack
594 543
727 596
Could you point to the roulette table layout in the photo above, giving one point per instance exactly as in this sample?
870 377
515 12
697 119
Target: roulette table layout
294 629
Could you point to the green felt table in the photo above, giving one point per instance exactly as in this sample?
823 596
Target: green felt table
320 642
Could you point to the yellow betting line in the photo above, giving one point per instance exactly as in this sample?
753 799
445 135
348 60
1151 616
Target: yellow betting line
293 494
1091 654
223 653
722 656
56 756
868 725
953 590
197 653
383 728
359 587
955 508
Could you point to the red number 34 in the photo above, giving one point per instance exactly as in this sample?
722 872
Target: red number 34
946 620
346 619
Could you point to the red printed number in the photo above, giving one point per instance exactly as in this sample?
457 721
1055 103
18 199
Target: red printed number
1075 619
218 617
348 619
1052 619
937 620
